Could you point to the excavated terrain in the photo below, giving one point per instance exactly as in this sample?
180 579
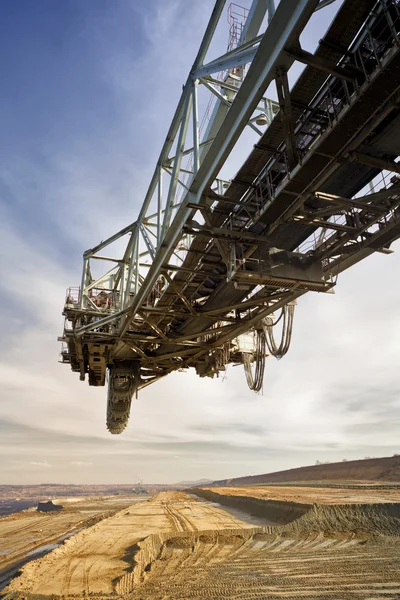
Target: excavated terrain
28 534
96 559
173 546
304 495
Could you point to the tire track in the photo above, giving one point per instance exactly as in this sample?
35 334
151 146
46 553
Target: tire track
200 552
278 567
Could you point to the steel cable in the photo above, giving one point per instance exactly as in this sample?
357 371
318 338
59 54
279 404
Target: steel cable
268 323
255 382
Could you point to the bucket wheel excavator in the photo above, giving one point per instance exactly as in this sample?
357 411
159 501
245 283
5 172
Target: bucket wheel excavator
212 268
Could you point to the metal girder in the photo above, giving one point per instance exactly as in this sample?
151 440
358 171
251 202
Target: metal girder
227 102
257 12
170 160
288 22
184 124
110 240
179 294
227 200
241 306
323 3
150 247
174 268
324 224
154 327
176 121
236 330
362 203
341 265
100 280
109 258
343 155
235 58
224 85
104 321
368 246
218 242
334 246
392 192
273 214
224 234
374 161
285 106
319 63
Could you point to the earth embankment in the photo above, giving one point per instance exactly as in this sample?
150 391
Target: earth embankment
381 517
276 511
376 470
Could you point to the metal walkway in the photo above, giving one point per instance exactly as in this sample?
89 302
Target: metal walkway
208 263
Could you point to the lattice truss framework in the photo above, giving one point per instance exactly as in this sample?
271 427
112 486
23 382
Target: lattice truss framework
207 260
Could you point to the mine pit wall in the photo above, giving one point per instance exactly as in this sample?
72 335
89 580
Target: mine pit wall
276 511
382 518
351 519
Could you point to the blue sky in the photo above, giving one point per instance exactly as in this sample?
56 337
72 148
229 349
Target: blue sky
88 91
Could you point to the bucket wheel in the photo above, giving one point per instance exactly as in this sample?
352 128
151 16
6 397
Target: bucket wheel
123 381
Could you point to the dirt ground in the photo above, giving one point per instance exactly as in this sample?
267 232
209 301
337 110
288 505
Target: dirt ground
262 566
312 495
175 547
94 559
25 533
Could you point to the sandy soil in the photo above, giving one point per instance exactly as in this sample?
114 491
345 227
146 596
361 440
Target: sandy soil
174 547
251 565
24 533
95 559
310 495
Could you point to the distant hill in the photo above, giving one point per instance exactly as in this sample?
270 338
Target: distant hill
45 491
371 469
197 483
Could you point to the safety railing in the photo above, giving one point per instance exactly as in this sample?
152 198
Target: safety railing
72 297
